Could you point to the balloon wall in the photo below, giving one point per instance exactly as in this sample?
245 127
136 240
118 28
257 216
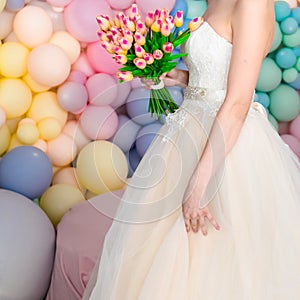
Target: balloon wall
69 130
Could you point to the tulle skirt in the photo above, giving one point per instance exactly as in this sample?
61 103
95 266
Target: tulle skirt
254 196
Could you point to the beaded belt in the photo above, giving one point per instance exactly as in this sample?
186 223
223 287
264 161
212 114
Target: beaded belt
196 93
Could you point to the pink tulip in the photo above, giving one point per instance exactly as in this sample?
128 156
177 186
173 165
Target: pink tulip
102 36
149 19
129 24
148 57
164 13
118 50
139 50
158 54
121 59
157 13
103 23
125 44
128 35
125 76
133 11
140 63
165 29
168 47
195 23
139 38
178 20
108 47
156 25
140 27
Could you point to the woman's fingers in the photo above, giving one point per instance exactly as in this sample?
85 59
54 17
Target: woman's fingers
203 225
212 220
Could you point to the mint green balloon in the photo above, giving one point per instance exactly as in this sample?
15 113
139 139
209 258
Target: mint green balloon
292 40
273 121
290 75
298 64
269 77
285 103
277 38
195 8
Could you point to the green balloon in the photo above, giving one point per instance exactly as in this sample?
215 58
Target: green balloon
292 40
277 38
285 103
290 75
298 64
273 121
269 77
195 8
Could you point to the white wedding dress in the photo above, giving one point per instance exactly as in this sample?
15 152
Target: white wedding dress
255 197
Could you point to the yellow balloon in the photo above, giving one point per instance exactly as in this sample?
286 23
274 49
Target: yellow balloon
58 199
27 133
34 86
49 128
13 60
2 4
68 43
45 105
4 138
102 167
15 97
14 142
13 124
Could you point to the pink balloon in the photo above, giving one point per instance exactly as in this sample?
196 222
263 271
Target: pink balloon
283 127
72 96
292 142
295 127
59 3
124 89
101 60
147 5
77 76
102 89
80 18
99 122
83 65
120 4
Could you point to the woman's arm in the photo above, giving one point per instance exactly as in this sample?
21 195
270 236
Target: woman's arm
252 26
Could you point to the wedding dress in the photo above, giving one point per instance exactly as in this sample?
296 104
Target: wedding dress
254 196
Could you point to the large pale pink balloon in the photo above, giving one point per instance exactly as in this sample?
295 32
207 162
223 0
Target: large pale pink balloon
32 26
49 65
100 60
59 3
295 127
293 142
120 4
102 89
99 122
80 18
83 65
147 5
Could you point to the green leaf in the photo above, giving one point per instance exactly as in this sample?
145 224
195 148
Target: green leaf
175 56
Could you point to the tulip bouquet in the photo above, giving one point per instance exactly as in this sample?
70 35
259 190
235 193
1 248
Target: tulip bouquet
145 49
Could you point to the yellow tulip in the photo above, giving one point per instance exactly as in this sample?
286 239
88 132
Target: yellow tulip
195 23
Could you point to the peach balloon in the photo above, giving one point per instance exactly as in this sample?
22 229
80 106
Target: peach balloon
33 26
62 150
41 144
68 43
45 105
4 138
68 176
15 97
6 23
2 117
58 199
13 59
100 60
102 89
2 4
73 129
49 128
49 65
11 38
99 122
34 86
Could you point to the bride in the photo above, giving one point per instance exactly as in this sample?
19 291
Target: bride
213 210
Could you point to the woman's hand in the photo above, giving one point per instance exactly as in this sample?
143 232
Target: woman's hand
173 78
195 217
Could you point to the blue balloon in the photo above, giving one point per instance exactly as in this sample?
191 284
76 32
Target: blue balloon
285 58
296 14
179 5
296 83
133 159
263 98
297 51
26 170
282 10
14 5
289 25
146 136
